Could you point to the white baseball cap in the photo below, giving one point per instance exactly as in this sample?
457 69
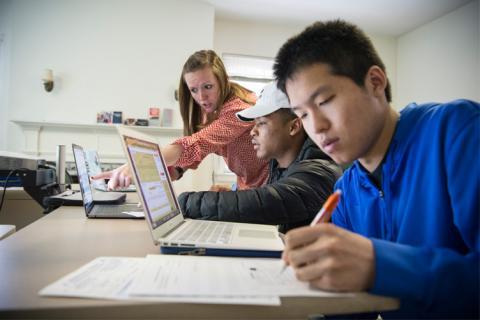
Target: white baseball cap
270 100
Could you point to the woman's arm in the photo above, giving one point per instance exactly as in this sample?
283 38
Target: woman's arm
171 153
214 137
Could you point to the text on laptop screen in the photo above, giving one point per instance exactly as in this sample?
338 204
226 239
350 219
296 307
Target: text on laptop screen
152 178
83 178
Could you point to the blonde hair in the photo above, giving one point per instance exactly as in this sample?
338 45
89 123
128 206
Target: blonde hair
189 109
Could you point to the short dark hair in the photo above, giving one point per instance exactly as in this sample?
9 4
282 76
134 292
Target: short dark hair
340 45
286 113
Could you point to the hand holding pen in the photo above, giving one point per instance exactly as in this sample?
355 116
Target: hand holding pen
324 214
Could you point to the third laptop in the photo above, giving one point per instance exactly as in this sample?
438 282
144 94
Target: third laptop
92 208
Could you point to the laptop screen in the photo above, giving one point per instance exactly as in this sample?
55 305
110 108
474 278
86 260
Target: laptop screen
93 167
83 177
153 181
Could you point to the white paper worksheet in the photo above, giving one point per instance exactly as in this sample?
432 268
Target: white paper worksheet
103 278
168 275
111 277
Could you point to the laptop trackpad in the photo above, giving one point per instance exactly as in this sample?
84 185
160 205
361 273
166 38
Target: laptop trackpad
252 233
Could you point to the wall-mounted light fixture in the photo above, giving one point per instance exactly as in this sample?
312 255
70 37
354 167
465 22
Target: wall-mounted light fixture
48 80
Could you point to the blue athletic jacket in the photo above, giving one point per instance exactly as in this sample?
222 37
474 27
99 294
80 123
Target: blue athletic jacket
424 223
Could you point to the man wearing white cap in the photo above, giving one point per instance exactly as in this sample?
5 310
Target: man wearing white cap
300 179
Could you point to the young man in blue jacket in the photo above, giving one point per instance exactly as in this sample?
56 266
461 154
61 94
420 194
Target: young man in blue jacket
407 224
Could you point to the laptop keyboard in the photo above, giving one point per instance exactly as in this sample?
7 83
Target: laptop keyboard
206 232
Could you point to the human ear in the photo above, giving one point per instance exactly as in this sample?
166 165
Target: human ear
376 80
295 126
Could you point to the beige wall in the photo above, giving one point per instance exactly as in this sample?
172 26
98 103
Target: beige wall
440 61
260 39
264 39
5 39
106 55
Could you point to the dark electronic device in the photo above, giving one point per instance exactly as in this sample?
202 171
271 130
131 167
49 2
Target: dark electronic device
36 178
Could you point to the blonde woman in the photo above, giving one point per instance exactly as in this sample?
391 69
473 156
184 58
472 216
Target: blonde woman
208 104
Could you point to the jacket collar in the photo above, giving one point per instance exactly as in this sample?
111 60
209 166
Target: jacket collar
396 149
309 150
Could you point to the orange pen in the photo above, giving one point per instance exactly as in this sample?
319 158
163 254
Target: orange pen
327 209
325 213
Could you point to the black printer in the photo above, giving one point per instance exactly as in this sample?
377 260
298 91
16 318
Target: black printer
34 175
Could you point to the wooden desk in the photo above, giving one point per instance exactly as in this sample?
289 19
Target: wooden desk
65 239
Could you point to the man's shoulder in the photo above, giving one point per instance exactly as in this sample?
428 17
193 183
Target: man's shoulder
315 167
460 111
451 111
425 119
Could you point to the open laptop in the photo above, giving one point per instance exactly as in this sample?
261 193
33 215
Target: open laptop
93 209
93 168
168 227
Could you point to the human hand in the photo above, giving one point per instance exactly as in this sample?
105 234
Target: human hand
330 258
174 173
220 187
119 177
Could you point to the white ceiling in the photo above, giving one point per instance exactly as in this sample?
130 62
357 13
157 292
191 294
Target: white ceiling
385 17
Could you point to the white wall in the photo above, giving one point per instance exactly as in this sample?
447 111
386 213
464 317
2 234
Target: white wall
259 39
265 39
123 55
440 61
386 47
5 23
106 55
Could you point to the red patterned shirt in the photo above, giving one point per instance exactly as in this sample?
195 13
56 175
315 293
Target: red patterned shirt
230 138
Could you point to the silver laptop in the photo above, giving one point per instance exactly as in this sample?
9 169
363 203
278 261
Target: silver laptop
170 230
94 209
93 168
